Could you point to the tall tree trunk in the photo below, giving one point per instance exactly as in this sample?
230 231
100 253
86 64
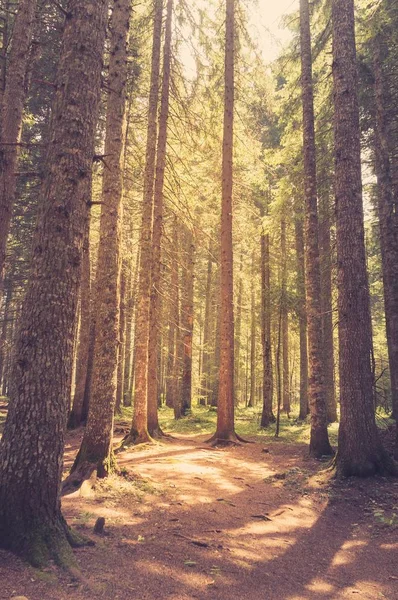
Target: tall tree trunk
267 415
252 396
129 333
154 308
302 318
175 317
96 448
387 222
187 319
325 250
225 414
31 522
360 451
139 427
122 340
285 322
11 116
76 414
319 440
238 328
207 330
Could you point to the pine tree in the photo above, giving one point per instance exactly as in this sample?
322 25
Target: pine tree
359 451
31 522
319 442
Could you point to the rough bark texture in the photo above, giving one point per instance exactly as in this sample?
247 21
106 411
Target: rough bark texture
139 428
30 470
319 441
302 318
267 415
225 414
96 447
76 413
388 222
360 451
155 267
11 116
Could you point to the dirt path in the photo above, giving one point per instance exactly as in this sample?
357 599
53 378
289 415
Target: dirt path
192 522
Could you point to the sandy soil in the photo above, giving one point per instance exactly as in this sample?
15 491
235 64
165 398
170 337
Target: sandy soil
187 521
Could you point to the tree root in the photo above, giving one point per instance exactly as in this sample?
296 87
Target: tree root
379 464
232 439
79 474
135 439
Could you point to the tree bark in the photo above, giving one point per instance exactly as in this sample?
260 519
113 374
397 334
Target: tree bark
76 414
319 440
11 117
122 340
139 427
238 328
207 330
387 223
285 322
302 318
225 414
360 451
325 251
252 396
187 319
96 448
154 307
31 522
267 415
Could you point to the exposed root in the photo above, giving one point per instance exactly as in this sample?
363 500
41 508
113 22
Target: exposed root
79 474
158 434
134 439
232 439
379 464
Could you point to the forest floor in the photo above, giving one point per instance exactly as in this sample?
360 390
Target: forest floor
256 521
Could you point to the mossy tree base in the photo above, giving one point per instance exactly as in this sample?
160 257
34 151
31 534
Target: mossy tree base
41 543
134 438
378 463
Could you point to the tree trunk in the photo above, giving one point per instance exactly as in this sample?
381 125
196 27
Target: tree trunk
96 448
302 318
319 440
238 328
122 340
387 222
285 322
11 117
31 522
76 414
207 330
225 414
139 427
360 451
154 309
325 251
187 319
252 396
267 415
